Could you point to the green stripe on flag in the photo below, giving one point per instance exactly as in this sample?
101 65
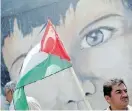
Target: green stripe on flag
51 65
48 67
19 99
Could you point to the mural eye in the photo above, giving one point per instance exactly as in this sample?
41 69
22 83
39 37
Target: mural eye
96 37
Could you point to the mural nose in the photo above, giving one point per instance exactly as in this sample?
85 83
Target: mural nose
87 94
70 101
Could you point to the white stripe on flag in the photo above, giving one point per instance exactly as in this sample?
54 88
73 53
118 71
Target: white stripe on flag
33 58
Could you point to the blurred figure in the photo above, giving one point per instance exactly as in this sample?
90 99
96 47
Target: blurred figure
4 105
33 104
115 93
9 90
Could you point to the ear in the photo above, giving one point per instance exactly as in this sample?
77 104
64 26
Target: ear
108 99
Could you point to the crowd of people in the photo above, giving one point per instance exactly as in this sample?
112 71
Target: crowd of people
115 93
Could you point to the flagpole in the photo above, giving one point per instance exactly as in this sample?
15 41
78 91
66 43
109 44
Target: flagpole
81 90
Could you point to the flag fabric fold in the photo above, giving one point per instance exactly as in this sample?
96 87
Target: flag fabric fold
19 99
56 61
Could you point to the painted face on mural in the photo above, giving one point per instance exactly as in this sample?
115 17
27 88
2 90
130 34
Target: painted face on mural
97 36
100 39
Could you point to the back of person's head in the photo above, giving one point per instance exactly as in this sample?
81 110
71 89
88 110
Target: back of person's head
107 87
33 104
11 85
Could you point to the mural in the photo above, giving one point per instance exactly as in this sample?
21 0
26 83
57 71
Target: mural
97 35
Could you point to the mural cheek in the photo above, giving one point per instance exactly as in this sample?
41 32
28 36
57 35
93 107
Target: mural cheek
110 59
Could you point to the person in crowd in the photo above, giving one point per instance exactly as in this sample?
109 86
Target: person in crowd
9 90
115 93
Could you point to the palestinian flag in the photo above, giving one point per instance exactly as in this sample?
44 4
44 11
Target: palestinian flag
48 58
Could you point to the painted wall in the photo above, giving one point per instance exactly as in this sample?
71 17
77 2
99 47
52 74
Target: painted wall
107 55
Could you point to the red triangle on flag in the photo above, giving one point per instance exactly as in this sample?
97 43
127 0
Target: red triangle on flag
51 44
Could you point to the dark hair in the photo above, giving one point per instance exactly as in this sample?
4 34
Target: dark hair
127 4
107 87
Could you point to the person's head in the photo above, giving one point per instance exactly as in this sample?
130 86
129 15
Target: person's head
9 90
115 93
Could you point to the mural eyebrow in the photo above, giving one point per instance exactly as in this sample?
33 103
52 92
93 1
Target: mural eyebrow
99 19
19 57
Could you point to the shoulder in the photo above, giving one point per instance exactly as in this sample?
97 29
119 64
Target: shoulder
129 107
11 107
